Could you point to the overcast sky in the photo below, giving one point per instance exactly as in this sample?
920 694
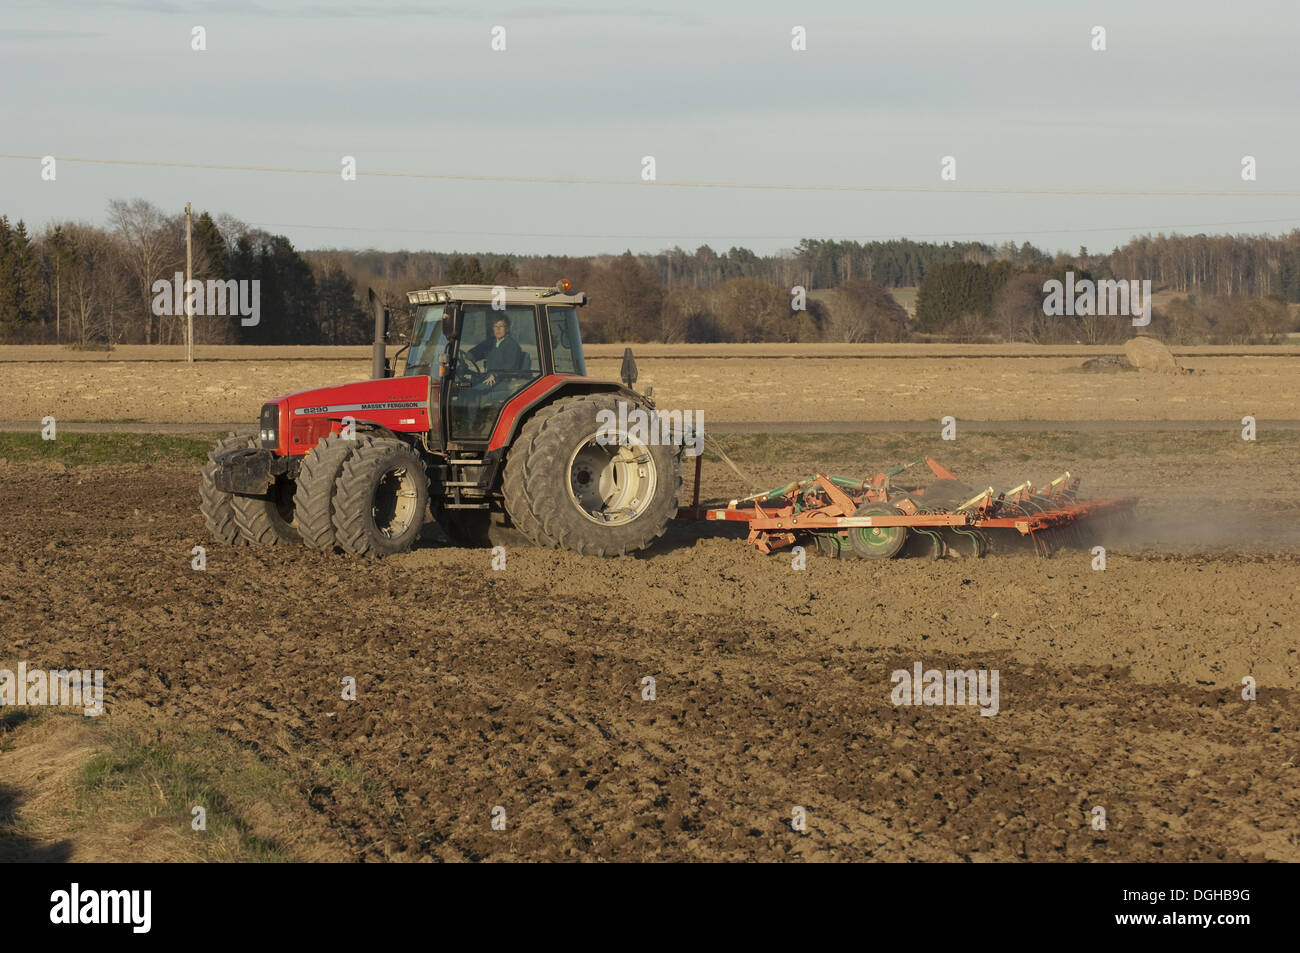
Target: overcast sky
1012 90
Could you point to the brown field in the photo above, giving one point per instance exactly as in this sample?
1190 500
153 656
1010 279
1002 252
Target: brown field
729 383
521 688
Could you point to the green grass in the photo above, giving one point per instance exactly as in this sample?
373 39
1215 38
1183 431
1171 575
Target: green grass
76 449
872 449
134 778
883 450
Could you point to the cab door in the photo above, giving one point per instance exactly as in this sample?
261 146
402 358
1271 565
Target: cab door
495 358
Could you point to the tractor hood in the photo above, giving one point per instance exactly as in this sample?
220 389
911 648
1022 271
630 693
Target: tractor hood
400 404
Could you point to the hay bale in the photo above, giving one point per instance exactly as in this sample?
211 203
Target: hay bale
1148 354
1107 364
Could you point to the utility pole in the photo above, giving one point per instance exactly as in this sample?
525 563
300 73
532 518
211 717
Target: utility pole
189 275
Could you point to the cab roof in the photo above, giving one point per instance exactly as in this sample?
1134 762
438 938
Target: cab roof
521 294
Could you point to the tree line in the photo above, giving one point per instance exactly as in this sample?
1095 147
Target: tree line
92 286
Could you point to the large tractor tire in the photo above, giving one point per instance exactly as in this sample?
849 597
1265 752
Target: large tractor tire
313 500
268 518
380 498
565 490
214 504
512 479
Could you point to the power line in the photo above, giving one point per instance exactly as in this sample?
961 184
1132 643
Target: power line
757 186
753 238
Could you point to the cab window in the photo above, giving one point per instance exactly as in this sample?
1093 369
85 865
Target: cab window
566 343
497 358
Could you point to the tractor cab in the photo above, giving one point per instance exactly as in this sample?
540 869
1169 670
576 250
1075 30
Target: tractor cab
482 345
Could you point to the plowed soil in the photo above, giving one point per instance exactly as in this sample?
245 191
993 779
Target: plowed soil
522 688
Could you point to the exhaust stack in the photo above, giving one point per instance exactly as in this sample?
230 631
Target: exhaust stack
379 356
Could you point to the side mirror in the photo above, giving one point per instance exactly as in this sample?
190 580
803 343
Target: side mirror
451 323
628 371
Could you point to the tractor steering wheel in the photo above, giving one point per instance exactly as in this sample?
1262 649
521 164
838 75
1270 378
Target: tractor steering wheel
467 373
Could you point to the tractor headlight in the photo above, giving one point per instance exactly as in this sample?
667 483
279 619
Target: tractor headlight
270 424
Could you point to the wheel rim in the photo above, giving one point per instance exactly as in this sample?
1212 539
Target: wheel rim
877 542
394 503
611 483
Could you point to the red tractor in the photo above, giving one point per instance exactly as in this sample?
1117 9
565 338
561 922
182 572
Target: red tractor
493 429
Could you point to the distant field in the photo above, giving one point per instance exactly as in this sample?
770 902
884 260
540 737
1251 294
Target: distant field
728 382
906 297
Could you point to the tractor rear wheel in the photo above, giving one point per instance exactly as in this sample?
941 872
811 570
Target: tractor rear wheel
213 503
267 519
313 500
565 488
380 498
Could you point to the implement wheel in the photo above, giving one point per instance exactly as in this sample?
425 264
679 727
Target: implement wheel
877 542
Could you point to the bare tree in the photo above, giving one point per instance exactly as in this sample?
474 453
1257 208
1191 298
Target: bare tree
93 285
153 248
867 312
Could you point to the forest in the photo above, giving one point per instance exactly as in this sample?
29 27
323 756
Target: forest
90 286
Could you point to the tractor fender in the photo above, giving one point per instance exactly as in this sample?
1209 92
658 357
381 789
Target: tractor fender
378 430
527 402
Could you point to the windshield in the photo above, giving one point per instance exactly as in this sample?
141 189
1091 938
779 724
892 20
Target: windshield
427 341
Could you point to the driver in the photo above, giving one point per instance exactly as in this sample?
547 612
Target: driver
500 354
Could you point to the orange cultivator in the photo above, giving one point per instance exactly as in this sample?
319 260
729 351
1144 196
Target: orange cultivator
872 519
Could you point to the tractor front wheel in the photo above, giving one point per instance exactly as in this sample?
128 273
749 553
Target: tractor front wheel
214 504
313 500
380 499
267 519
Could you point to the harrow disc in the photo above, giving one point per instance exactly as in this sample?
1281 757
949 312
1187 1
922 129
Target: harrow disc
971 540
831 545
877 542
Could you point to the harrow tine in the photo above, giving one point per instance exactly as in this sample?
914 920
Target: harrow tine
938 548
978 547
